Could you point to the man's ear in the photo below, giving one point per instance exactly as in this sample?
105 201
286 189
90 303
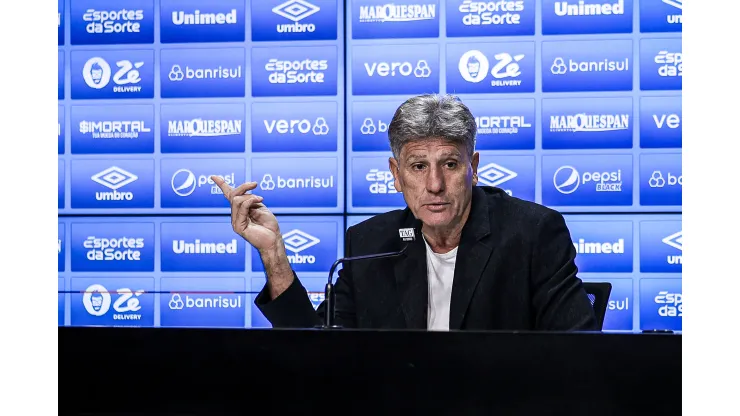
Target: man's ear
474 163
393 166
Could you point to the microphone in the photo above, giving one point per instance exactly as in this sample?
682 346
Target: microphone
407 235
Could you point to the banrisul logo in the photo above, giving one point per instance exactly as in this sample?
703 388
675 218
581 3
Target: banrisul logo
311 246
286 20
213 72
381 19
203 302
602 246
470 18
113 301
203 128
661 64
201 247
661 179
112 22
373 185
112 247
113 129
660 122
514 174
491 67
604 65
586 16
294 127
593 180
587 123
397 69
112 74
112 184
190 21
297 182
187 183
661 16
661 304
661 246
370 120
294 71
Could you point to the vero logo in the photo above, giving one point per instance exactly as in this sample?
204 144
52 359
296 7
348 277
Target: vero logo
298 241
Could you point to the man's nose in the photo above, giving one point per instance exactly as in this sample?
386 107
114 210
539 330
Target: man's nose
435 180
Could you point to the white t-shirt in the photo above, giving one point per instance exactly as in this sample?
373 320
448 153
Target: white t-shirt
440 273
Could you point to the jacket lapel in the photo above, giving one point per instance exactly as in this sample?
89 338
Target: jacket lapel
411 278
472 256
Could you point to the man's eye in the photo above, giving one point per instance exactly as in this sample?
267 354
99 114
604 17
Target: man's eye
417 166
452 165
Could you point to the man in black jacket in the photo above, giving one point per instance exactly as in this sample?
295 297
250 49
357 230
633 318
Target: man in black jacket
486 260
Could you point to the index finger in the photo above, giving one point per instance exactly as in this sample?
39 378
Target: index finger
225 188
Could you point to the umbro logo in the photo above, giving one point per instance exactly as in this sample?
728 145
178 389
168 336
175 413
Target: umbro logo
114 178
675 240
495 175
297 241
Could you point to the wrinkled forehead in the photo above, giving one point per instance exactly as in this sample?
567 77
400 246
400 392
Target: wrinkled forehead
432 148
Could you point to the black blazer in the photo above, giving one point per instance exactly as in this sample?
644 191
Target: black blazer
515 270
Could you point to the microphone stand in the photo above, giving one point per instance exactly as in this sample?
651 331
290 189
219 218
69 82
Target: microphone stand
329 288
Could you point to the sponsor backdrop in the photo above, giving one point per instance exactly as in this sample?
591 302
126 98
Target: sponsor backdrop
578 106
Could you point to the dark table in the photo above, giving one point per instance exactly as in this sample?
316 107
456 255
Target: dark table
132 371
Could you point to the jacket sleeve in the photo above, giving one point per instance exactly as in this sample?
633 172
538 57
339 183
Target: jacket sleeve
559 299
293 308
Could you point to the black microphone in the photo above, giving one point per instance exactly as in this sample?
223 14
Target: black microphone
407 235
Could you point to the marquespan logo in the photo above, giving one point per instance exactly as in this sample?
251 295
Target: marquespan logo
97 302
474 65
114 178
295 11
297 241
397 13
589 122
184 182
199 127
494 175
97 74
